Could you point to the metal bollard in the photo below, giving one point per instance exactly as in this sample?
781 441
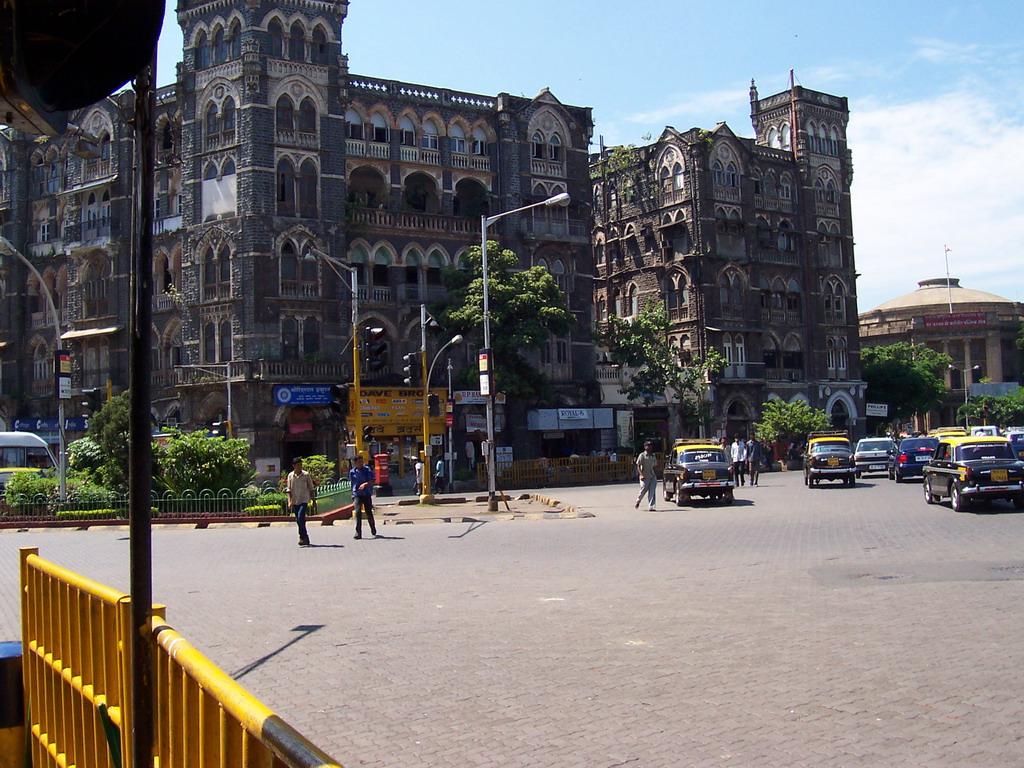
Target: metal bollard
12 708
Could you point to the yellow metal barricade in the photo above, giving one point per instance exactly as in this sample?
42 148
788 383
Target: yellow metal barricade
76 668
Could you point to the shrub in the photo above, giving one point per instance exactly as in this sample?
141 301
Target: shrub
92 514
264 510
31 488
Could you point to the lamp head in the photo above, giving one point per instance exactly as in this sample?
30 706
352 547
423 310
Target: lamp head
560 199
457 339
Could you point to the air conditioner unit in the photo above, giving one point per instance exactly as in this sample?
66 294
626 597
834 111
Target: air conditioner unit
171 423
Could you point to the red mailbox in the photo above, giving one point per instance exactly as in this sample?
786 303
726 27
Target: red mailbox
380 466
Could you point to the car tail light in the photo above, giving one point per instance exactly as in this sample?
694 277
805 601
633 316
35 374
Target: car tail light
902 458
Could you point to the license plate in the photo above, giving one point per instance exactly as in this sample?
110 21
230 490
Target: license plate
709 474
1000 475
876 466
924 458
833 462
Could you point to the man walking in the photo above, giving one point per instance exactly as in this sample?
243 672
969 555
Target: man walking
299 489
361 479
755 455
645 463
739 459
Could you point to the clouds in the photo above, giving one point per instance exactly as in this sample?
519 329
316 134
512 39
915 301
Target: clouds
933 172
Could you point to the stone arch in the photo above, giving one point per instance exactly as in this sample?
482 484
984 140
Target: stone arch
841 399
298 87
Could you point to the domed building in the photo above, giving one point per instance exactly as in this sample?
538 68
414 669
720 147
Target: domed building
978 330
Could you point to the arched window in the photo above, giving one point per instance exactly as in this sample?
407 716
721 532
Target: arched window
718 173
297 43
538 145
413 261
458 139
318 52
227 124
429 138
792 354
678 177
773 138
225 341
210 275
786 187
220 47
772 358
210 343
310 336
235 40
212 123
224 271
558 272
307 116
407 132
276 34
787 136
289 339
381 267
732 177
833 142
380 128
285 114
787 241
730 290
229 168
289 267
794 301
202 52
285 187
479 141
555 148
435 263
353 125
835 301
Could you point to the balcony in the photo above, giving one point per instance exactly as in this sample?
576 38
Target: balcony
301 290
45 319
784 374
563 230
539 167
417 155
773 204
673 196
413 221
744 372
302 139
730 194
679 314
375 294
96 169
772 256
474 162
165 302
822 208
167 224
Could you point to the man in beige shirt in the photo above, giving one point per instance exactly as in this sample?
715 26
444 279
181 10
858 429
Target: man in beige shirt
299 487
645 464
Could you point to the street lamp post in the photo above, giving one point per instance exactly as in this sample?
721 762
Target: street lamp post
486 221
426 497
966 372
353 284
10 250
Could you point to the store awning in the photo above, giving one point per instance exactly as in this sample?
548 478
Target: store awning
87 332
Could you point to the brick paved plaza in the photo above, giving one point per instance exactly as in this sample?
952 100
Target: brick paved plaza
826 627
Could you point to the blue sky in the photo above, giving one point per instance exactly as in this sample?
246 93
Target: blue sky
935 90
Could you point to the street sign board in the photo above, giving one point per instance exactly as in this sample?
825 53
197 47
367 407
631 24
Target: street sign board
876 409
437 439
396 410
302 395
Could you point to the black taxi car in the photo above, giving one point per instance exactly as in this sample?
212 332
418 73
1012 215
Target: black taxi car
698 468
829 456
971 468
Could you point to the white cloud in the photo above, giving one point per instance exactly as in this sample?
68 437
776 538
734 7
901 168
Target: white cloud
945 52
929 173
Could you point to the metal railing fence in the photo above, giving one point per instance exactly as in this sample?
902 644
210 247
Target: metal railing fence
543 473
75 640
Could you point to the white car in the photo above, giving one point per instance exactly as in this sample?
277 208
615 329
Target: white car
872 455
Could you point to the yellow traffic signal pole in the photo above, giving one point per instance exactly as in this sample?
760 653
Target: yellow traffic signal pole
426 497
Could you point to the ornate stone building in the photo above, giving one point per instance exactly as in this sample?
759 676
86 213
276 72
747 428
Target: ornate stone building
748 243
978 331
268 149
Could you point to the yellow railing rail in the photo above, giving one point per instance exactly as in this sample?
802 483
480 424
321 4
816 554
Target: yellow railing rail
77 672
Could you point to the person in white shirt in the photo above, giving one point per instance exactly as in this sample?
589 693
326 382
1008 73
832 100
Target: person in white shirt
739 459
419 477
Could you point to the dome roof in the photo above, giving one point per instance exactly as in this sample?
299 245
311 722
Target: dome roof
934 292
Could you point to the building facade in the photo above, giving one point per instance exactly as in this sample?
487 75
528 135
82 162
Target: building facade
269 151
748 244
976 329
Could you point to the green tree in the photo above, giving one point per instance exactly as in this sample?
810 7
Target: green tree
909 377
109 428
527 307
642 344
195 462
789 422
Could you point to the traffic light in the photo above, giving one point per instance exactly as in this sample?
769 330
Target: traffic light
94 399
220 429
61 55
433 405
375 349
412 369
367 434
339 400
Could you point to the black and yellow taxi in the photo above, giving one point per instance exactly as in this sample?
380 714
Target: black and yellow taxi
698 467
829 456
968 469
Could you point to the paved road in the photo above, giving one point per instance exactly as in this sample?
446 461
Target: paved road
825 627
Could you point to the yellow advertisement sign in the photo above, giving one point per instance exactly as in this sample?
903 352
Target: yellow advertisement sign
397 411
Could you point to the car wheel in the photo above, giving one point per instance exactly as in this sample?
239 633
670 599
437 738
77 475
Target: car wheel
729 498
929 497
897 477
956 498
682 498
668 493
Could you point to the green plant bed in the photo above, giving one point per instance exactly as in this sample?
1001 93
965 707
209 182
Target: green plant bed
92 514
264 510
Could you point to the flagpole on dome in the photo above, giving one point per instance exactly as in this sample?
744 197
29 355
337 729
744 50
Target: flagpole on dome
949 288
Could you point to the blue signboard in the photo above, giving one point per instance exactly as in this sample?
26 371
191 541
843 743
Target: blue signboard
302 395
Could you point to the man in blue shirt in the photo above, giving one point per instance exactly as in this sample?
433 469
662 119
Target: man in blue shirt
361 478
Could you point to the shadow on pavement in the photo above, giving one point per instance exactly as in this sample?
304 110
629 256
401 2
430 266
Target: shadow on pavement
472 527
305 631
